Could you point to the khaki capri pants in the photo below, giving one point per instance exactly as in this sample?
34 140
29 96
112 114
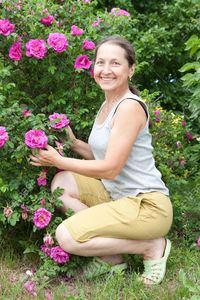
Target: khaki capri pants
146 216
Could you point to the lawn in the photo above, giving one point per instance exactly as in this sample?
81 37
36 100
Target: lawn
182 280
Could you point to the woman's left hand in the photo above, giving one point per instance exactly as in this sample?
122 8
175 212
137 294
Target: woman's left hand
44 158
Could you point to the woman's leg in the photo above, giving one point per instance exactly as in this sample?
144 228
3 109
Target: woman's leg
110 249
100 246
70 199
70 196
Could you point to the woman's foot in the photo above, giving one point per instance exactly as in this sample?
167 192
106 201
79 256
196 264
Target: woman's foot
155 268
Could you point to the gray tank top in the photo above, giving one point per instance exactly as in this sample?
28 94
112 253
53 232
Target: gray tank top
139 174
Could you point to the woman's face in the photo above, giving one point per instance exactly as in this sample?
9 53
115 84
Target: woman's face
111 69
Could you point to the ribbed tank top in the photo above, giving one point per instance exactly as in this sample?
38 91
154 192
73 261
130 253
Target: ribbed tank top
139 174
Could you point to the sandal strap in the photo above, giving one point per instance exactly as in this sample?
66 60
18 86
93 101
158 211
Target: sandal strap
154 270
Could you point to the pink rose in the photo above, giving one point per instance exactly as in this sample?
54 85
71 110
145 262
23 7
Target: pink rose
7 211
198 242
24 207
24 215
45 249
26 113
47 20
157 112
189 136
86 1
42 218
59 255
182 162
36 48
178 144
43 201
57 41
15 51
75 30
116 11
6 28
58 121
88 45
36 139
97 22
42 181
3 136
30 287
183 123
48 240
82 62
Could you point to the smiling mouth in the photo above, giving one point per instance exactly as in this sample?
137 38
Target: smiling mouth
106 78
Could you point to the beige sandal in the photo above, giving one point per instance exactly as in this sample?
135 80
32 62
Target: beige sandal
154 270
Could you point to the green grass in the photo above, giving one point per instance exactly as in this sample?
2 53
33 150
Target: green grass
182 281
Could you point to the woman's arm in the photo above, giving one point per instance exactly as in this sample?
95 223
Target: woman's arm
80 147
129 119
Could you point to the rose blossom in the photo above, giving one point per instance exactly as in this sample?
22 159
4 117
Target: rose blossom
198 242
42 218
45 249
30 287
82 62
183 123
178 144
3 136
7 211
57 41
182 162
47 20
189 136
157 112
36 48
6 28
58 121
116 11
26 113
15 51
43 201
86 1
88 45
36 139
75 30
42 181
97 22
48 240
59 255
24 215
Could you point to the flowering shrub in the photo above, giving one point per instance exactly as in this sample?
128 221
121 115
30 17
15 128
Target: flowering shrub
46 54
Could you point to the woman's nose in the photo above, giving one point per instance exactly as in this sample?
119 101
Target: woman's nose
106 68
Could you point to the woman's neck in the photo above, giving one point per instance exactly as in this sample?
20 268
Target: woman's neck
115 97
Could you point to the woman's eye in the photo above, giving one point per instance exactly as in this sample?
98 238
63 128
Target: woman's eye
99 63
115 63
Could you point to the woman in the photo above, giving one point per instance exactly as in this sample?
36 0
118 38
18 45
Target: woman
120 202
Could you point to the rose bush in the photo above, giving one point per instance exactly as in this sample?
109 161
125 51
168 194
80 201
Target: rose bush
46 54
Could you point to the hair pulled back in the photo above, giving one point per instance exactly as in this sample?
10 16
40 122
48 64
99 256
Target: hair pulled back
129 52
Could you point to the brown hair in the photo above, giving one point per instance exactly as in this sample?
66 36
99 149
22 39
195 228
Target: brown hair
129 52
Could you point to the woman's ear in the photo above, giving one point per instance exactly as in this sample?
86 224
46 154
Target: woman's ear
132 71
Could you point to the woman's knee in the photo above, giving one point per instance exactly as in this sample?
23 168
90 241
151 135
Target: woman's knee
58 180
65 240
66 181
